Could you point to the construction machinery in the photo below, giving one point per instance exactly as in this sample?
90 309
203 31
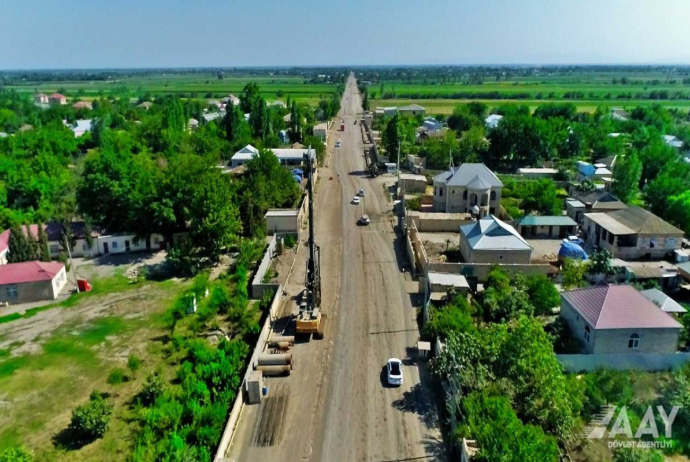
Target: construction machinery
310 320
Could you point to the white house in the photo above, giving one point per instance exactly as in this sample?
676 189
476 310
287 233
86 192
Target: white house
287 157
125 242
321 131
492 121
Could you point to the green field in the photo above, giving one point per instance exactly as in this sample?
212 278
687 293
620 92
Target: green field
445 106
197 85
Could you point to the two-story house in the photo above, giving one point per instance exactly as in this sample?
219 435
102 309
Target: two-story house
469 188
632 233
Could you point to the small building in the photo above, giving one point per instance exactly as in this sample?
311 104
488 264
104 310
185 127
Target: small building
321 131
416 164
461 189
553 227
57 99
385 111
537 172
412 109
673 141
82 105
231 99
432 125
684 271
125 243
192 124
632 233
620 115
287 157
443 282
41 99
587 171
492 121
211 116
391 167
4 246
81 127
83 244
283 221
595 201
31 281
146 105
410 183
617 319
491 240
663 301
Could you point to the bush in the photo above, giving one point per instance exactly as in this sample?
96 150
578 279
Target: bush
290 241
16 455
91 420
153 388
542 294
453 318
117 376
133 362
414 204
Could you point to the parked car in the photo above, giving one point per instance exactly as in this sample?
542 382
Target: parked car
364 220
574 240
361 193
394 370
355 200
337 144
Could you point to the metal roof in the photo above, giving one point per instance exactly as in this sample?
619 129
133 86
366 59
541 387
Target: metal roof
282 213
574 203
663 301
446 279
466 174
490 233
609 223
531 220
411 107
641 221
618 307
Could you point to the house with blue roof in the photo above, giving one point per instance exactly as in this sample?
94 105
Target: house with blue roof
469 188
491 240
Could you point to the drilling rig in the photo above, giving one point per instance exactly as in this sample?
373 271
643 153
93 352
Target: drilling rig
310 320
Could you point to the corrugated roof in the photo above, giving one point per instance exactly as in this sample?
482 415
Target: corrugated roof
555 220
446 279
490 233
642 221
282 213
663 301
467 173
575 203
618 307
601 200
609 224
411 107
29 271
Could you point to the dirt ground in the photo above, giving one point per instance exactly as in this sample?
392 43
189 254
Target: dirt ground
545 250
335 405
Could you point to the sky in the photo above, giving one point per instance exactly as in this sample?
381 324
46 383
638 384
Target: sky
82 34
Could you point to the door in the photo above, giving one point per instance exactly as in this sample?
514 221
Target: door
105 248
563 232
126 246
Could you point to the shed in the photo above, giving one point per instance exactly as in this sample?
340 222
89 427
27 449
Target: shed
442 282
283 221
554 227
31 281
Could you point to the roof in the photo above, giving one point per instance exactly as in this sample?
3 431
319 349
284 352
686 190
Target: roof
146 104
83 126
282 213
212 116
29 271
634 220
249 151
490 233
321 126
684 267
618 307
468 173
446 279
246 153
493 120
601 200
531 220
574 203
57 96
411 107
663 301
548 171
410 176
5 241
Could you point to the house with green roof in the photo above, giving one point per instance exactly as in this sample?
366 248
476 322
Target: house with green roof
553 227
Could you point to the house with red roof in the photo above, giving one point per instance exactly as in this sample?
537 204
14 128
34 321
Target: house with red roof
31 281
57 98
4 246
41 98
617 319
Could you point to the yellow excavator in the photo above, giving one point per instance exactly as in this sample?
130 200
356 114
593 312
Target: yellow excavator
310 320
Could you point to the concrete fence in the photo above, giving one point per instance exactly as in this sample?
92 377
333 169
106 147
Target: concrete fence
481 270
258 287
641 362
238 405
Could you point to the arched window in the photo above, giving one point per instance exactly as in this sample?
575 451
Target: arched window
493 195
587 333
634 341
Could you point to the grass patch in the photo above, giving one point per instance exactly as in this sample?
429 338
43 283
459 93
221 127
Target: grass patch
103 328
103 286
9 317
116 377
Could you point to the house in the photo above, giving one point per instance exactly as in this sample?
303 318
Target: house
211 116
463 188
587 171
416 164
443 282
41 99
287 157
283 221
620 115
632 233
126 242
617 319
385 111
412 109
57 99
277 103
192 124
391 167
4 246
663 301
673 141
554 227
31 281
594 201
321 131
609 162
146 105
81 127
490 240
537 172
80 245
492 121
82 105
410 183
431 125
234 100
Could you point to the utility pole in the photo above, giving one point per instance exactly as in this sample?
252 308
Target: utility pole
71 262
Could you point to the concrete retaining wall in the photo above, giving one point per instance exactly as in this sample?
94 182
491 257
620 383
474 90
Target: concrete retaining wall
438 222
481 270
258 287
642 362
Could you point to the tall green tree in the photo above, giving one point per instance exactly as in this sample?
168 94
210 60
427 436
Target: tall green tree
21 247
626 177
43 252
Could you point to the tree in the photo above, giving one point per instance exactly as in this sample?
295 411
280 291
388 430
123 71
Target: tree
655 157
21 247
542 294
626 177
16 455
542 198
237 130
43 252
678 211
573 273
90 421
398 136
600 264
153 388
455 317
504 299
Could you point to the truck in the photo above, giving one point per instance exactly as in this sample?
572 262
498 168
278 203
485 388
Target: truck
342 126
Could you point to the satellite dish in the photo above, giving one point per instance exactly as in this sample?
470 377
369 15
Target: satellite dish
475 210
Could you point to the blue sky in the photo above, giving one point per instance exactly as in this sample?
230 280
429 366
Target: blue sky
190 33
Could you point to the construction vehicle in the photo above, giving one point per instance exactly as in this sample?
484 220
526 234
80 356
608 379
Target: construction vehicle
310 320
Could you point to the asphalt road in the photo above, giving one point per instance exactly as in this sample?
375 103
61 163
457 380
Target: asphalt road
335 405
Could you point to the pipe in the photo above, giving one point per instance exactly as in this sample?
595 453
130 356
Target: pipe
273 371
284 346
275 359
276 340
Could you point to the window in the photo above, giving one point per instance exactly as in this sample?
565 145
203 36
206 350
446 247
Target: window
652 243
440 192
54 249
464 195
453 191
114 244
11 292
85 246
493 195
634 341
587 332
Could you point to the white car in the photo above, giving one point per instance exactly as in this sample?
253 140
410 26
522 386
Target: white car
394 372
361 193
355 200
574 240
